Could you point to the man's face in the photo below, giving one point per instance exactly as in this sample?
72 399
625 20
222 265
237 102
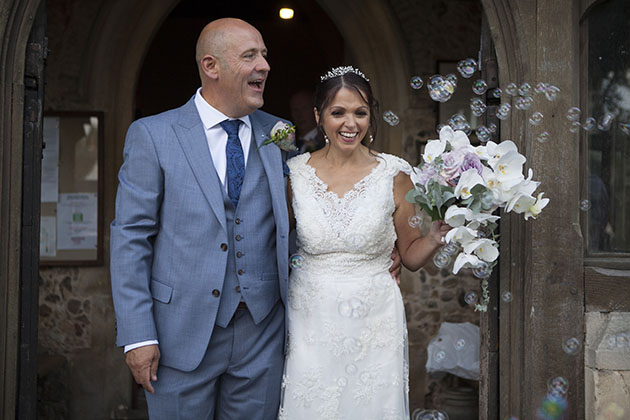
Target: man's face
243 71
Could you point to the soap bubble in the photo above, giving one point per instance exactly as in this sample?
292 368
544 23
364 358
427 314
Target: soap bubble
460 344
536 118
605 122
296 261
524 102
458 122
440 356
471 297
625 128
415 221
480 87
558 384
440 89
496 93
541 87
585 205
543 137
571 346
483 133
452 79
504 111
574 113
428 415
589 124
342 382
506 296
511 89
450 249
482 270
391 118
492 127
552 92
441 260
575 127
525 89
416 82
467 67
351 369
477 106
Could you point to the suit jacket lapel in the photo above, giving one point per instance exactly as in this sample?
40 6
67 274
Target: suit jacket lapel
192 138
271 157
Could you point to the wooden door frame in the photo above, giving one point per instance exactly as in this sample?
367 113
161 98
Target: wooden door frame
16 22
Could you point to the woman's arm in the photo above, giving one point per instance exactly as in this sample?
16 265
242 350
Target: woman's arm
415 250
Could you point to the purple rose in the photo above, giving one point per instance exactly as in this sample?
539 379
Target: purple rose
471 160
452 163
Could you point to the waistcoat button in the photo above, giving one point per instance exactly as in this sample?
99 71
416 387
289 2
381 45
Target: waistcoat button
239 237
240 272
237 221
239 254
216 293
224 247
238 289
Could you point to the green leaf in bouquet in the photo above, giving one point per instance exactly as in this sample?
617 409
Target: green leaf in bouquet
468 201
411 195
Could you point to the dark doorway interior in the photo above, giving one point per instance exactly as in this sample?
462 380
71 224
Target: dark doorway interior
300 50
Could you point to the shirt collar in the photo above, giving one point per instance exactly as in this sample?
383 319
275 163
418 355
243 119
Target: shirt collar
210 116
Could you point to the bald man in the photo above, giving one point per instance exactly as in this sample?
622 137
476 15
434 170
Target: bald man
199 244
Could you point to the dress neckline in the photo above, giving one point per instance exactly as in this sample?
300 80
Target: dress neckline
355 188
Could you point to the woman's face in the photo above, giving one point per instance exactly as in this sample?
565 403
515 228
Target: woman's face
346 119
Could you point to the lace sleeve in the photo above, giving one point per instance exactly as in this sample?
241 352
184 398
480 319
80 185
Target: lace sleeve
396 164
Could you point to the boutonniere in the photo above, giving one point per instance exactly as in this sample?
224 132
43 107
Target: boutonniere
283 136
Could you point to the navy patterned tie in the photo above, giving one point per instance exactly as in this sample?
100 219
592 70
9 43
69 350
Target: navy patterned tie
235 160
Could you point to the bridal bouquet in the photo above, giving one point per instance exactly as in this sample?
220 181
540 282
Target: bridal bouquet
464 185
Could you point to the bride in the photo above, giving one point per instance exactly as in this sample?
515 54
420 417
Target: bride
347 340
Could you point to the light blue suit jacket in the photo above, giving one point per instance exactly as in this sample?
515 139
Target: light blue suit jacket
168 238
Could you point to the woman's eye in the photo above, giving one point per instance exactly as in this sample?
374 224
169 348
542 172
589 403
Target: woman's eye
361 113
337 113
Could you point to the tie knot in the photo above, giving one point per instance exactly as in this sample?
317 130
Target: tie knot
231 126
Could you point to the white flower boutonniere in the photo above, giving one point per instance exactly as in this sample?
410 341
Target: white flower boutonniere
283 136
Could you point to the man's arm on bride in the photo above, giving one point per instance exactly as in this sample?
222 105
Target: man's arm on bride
415 250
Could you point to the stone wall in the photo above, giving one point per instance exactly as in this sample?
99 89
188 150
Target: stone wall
607 365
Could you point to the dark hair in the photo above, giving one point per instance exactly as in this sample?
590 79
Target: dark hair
326 90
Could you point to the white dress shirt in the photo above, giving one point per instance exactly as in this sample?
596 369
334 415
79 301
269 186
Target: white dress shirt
217 140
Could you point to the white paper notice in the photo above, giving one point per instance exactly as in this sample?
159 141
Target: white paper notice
77 221
48 236
50 161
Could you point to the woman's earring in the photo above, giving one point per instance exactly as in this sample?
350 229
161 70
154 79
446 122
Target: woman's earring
326 138
371 138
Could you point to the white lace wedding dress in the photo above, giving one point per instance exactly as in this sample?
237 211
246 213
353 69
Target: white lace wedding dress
347 343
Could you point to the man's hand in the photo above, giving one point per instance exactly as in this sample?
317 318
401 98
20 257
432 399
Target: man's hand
143 363
394 270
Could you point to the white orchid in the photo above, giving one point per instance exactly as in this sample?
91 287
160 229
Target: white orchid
461 235
456 216
509 168
535 209
482 219
433 149
497 151
465 260
457 139
467 180
482 152
483 248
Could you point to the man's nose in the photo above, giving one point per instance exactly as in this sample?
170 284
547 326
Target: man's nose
263 64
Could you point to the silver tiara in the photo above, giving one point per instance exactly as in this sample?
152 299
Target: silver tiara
340 71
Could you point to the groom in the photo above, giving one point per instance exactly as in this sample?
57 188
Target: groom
199 244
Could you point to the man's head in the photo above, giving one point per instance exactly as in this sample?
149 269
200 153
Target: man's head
231 57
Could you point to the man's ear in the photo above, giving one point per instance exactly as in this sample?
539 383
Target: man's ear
210 66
